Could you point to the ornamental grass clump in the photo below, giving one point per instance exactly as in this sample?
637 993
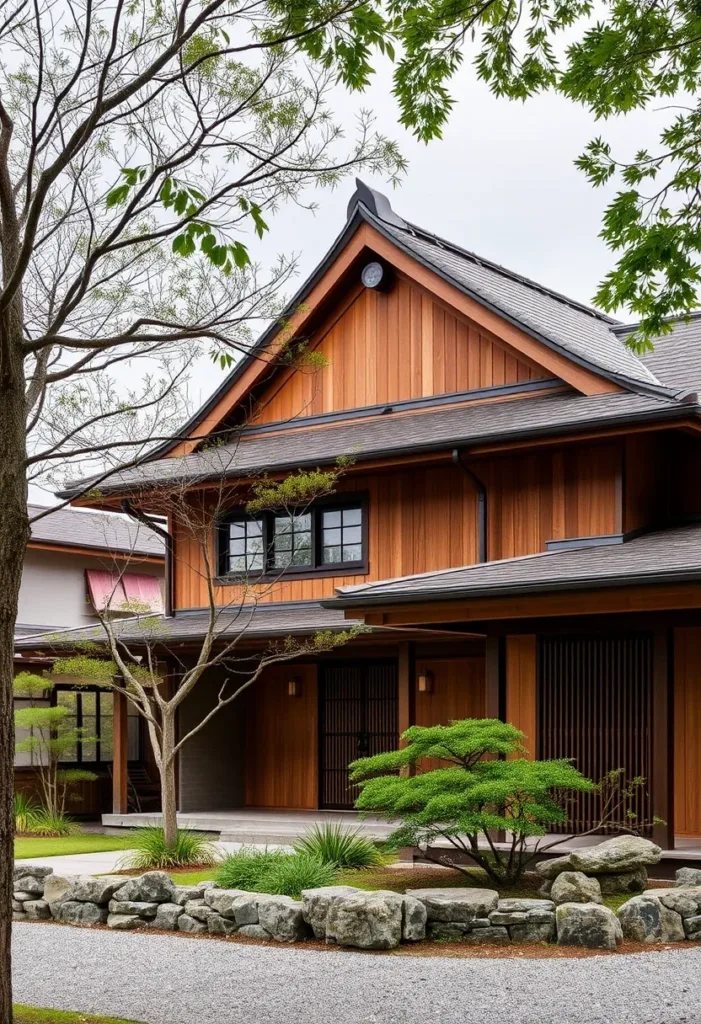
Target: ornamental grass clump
483 786
149 850
342 847
274 871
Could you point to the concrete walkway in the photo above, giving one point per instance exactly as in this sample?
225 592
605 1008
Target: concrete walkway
169 979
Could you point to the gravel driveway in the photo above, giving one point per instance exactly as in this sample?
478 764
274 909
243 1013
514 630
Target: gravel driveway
162 979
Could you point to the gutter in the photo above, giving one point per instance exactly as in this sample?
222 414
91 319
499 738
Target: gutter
141 517
481 505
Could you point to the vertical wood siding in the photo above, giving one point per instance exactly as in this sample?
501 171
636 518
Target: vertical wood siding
390 347
425 519
281 740
595 705
687 731
521 689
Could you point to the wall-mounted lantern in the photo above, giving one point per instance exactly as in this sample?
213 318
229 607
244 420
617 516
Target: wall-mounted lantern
294 687
425 681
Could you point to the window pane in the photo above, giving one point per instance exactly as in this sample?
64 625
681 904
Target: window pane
302 522
332 537
352 553
283 524
236 530
332 518
254 527
352 535
352 516
237 564
246 546
332 555
237 547
283 542
255 562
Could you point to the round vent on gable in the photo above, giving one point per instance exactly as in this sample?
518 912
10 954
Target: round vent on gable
375 275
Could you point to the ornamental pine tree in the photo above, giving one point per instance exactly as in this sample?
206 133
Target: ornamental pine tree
483 787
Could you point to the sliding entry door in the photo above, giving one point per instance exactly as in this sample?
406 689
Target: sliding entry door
357 717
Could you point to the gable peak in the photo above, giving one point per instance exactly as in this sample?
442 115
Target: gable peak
377 203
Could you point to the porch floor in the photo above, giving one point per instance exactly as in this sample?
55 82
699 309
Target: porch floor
259 826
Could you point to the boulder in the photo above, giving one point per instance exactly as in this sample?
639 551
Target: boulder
29 884
184 893
623 882
23 897
145 910
75 912
501 917
518 905
692 927
622 853
414 916
124 922
222 900
453 931
685 900
57 887
575 887
550 869
281 916
189 924
199 910
254 931
246 909
587 924
456 904
17 907
218 925
546 887
316 904
688 876
497 935
152 887
534 931
21 869
38 910
646 919
95 888
366 920
167 916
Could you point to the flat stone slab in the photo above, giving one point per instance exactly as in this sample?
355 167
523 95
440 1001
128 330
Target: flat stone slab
456 904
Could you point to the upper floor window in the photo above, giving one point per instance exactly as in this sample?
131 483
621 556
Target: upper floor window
322 538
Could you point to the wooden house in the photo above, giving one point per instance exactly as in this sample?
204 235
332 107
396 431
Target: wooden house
519 528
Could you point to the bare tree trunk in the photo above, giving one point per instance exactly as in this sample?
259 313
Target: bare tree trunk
169 802
14 532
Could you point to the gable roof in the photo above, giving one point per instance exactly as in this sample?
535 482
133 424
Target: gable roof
105 532
392 435
663 556
579 332
676 357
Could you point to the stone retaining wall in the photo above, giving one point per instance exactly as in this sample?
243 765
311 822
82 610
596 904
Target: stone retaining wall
352 917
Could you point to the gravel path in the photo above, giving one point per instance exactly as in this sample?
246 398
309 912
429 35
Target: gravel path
163 979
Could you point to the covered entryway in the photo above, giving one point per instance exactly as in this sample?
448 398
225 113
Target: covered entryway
358 717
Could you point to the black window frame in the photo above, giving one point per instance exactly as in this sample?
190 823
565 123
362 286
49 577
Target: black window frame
79 761
317 567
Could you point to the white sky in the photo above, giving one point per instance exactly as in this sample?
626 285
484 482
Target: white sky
501 182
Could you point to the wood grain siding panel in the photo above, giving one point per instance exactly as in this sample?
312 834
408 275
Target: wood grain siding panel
591 490
687 731
281 740
386 347
458 692
645 481
521 688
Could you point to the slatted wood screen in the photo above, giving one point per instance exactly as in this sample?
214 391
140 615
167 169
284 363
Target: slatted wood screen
358 717
595 705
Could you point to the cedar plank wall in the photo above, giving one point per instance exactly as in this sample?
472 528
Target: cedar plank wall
422 519
281 739
390 347
687 730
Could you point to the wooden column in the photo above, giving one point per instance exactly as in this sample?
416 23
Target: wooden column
494 704
662 775
521 688
119 764
406 672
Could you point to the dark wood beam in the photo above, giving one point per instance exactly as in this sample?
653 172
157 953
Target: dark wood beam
662 775
119 763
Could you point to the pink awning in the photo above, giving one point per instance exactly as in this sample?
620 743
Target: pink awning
133 592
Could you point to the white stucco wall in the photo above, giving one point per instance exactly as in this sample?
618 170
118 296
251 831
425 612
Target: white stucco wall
54 590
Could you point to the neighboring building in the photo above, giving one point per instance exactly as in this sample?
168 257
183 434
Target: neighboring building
520 530
76 562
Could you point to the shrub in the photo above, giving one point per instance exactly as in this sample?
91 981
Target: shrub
295 872
44 822
25 807
273 871
471 795
246 868
342 847
149 849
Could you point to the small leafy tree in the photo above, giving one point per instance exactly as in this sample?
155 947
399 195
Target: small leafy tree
477 794
50 737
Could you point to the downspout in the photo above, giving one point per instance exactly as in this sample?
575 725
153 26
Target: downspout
481 505
141 517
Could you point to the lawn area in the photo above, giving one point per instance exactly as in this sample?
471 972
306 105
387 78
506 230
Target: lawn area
31 1015
401 879
84 842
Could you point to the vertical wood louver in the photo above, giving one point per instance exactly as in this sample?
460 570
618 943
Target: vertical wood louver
595 705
